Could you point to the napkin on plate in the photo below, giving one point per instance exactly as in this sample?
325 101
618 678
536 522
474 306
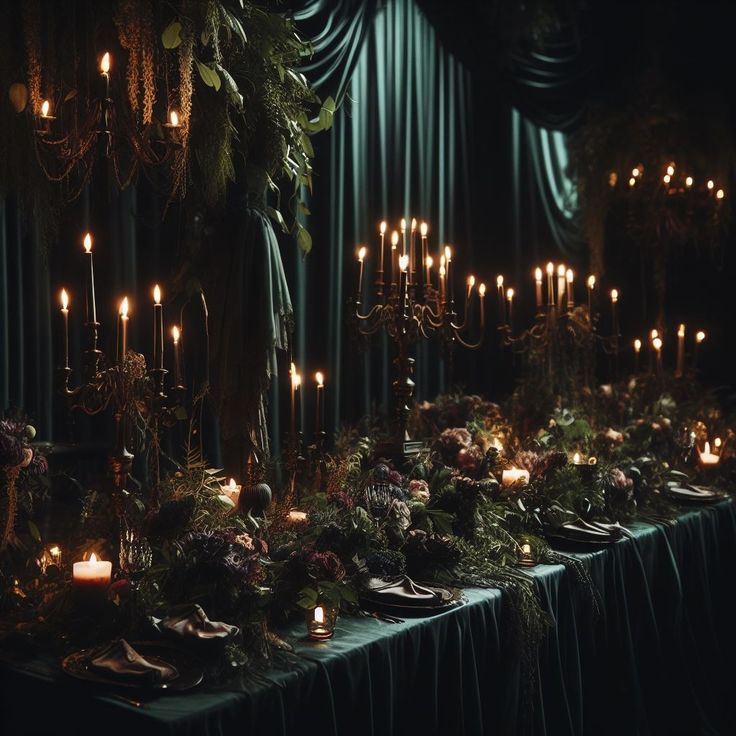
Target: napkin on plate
190 620
402 591
119 660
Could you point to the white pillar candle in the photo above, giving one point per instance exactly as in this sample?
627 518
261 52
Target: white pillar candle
92 573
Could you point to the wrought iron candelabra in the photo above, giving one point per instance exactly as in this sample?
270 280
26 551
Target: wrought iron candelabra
409 311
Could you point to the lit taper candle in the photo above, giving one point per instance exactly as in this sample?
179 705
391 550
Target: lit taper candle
361 258
158 329
176 335
65 316
123 329
538 287
680 367
89 291
320 379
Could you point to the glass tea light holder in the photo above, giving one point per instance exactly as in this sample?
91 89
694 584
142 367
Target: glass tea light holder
51 556
321 622
527 555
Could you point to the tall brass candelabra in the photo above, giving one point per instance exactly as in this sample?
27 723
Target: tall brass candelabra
408 312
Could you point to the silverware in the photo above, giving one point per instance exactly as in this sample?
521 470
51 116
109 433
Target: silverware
128 701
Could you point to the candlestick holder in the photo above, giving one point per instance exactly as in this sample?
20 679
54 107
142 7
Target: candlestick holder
408 314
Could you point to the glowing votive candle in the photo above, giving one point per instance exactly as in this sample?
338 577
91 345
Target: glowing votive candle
92 574
514 476
707 457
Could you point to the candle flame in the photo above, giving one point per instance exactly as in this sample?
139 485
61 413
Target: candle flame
105 63
394 239
424 229
319 376
482 290
671 169
653 334
471 281
510 294
175 334
88 243
93 557
561 270
499 281
576 458
700 336
403 262
319 615
382 227
402 224
124 307
429 261
614 295
550 268
706 450
637 344
657 343
591 282
45 108
632 181
448 253
681 331
720 194
361 254
157 294
442 270
569 275
688 181
711 183
442 261
54 550
717 442
538 275
413 224
64 300
296 379
232 486
635 171
666 178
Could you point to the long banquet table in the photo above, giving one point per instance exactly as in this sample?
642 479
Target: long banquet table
659 659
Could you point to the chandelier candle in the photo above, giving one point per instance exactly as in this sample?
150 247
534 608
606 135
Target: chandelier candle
550 287
379 272
123 329
428 263
296 381
65 315
450 273
510 298
394 256
699 337
560 286
501 304
176 334
412 252
657 345
591 286
423 228
569 275
637 350
402 227
361 258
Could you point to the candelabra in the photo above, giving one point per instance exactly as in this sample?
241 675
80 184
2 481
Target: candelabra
408 312
63 155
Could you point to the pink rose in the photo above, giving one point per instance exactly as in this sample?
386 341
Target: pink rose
419 490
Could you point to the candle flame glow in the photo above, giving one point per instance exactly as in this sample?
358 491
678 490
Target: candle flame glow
296 379
700 336
538 275
591 282
320 378
361 253
92 557
64 300
569 275
402 224
561 270
499 281
232 486
632 181
670 169
510 294
576 458
635 171
413 224
711 184
157 294
720 194
681 331
550 268
423 229
403 262
124 308
394 239
614 295
174 119
688 181
482 290
382 227
653 334
45 108
666 178
448 253
706 449
429 261
637 344
717 442
175 334
442 270
88 243
105 63
319 615
471 281
657 343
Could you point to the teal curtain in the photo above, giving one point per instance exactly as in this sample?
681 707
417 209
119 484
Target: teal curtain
399 147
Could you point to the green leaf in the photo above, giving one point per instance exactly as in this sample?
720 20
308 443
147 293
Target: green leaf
34 532
307 598
209 76
231 87
275 215
304 240
307 145
171 37
304 209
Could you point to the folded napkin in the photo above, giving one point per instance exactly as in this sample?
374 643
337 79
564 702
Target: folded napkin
118 659
190 620
583 531
690 492
402 591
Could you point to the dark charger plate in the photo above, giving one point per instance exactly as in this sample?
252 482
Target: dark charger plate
190 673
451 598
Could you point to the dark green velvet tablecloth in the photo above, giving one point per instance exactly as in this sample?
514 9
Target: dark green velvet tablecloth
657 660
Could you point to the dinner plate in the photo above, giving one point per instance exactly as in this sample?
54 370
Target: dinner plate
190 674
692 494
452 597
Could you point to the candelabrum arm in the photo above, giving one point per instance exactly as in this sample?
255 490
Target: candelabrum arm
459 329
